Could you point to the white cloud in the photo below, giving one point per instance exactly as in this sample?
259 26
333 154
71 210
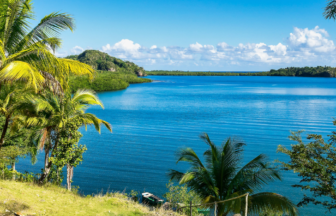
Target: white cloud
77 50
124 49
312 40
303 46
196 47
279 49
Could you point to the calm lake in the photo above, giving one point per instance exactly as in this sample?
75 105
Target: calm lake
151 121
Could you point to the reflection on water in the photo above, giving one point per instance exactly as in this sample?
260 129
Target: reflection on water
293 91
152 120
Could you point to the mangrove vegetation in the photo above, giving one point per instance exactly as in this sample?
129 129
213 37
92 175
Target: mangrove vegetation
318 71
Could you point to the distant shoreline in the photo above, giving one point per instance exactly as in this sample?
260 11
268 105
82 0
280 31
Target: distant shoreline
318 71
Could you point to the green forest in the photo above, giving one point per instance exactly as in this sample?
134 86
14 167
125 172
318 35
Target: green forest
111 73
318 71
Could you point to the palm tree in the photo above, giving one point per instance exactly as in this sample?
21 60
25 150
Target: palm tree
52 112
221 178
26 53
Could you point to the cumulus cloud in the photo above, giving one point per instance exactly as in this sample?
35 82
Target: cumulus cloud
279 49
125 49
77 50
196 47
311 40
302 46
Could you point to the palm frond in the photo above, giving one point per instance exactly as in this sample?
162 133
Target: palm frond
50 26
188 176
86 96
175 175
266 200
70 66
190 156
255 174
21 71
53 43
107 125
330 10
3 57
18 24
212 154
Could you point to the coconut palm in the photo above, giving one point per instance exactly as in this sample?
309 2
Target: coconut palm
26 53
221 177
52 112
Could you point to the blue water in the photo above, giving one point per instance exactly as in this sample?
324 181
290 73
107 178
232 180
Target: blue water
151 121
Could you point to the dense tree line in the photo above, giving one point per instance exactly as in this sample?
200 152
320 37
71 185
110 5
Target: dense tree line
318 71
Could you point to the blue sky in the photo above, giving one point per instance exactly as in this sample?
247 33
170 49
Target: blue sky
207 35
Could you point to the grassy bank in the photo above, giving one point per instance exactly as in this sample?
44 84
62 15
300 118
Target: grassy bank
105 81
30 199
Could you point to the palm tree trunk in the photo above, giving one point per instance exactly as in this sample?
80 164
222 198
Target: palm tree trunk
46 157
4 131
69 176
13 169
3 171
48 163
45 173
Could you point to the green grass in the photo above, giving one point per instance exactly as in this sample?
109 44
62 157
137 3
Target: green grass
30 199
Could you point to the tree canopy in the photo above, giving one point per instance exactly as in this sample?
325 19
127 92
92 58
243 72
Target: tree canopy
315 164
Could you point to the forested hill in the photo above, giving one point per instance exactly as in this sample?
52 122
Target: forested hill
112 73
104 62
318 71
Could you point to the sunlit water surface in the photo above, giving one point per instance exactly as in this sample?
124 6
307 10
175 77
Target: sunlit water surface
151 121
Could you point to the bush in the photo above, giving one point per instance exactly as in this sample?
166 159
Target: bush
179 196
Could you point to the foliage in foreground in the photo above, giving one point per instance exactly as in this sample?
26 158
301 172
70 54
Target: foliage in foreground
26 52
315 164
30 199
53 115
222 178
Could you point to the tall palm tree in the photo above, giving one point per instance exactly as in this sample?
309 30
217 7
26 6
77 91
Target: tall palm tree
52 112
221 177
26 53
